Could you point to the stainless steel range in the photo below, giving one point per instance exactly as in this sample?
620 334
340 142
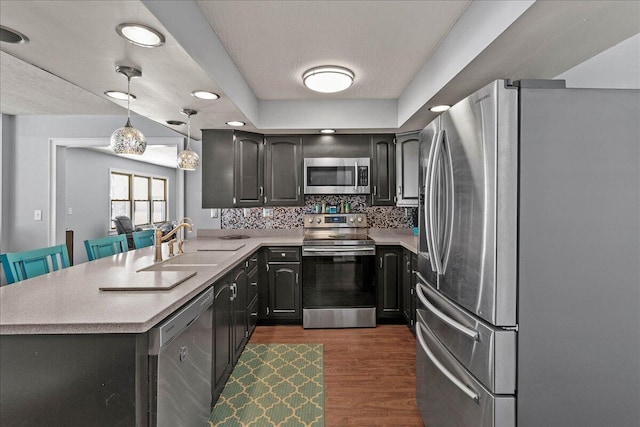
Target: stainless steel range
338 288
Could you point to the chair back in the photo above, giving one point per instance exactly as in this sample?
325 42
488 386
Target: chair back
144 238
123 224
106 246
25 265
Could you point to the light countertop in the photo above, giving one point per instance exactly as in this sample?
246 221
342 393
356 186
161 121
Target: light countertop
69 301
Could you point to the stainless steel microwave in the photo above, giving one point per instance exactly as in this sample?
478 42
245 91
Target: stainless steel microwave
337 175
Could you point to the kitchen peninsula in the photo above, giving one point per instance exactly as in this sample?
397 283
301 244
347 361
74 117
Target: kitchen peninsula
65 340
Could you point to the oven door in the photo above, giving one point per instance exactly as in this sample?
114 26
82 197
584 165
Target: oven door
338 287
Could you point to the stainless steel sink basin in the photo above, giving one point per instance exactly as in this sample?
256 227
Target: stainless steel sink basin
189 261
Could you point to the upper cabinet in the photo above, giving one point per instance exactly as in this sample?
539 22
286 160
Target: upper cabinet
407 156
248 170
283 171
383 164
217 168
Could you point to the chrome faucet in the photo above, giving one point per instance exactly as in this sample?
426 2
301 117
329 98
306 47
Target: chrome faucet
160 238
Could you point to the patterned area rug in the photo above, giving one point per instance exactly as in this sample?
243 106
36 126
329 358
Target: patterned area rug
274 385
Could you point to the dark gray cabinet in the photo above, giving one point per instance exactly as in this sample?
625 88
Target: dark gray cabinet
383 175
388 279
240 331
283 177
409 266
217 168
407 156
253 279
283 278
248 169
222 335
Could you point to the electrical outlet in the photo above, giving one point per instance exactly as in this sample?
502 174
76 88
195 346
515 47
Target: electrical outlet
246 212
267 212
37 215
214 213
69 211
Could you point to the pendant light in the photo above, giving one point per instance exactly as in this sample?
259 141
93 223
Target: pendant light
188 159
127 139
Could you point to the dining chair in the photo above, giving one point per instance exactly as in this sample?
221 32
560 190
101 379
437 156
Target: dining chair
144 238
25 265
106 246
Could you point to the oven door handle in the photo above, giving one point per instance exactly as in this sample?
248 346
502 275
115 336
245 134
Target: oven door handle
339 251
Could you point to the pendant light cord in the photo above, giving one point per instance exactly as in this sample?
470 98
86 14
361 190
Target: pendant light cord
128 98
189 132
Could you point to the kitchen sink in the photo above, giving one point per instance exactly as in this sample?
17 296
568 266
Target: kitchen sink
189 261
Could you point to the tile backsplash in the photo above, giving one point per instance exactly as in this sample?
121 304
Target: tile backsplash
291 217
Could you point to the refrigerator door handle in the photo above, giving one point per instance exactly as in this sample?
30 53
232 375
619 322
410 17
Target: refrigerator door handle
432 203
449 195
471 333
462 386
428 233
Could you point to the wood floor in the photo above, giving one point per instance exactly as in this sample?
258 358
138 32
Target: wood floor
369 373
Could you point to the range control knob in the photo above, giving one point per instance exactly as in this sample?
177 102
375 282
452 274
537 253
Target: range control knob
359 219
352 219
310 220
318 220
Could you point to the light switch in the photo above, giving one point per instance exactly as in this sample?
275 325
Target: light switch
267 212
37 215
69 211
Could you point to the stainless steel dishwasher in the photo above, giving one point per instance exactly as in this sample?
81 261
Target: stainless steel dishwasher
180 351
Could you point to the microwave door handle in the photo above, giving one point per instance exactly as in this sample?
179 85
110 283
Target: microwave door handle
427 203
432 205
355 176
462 386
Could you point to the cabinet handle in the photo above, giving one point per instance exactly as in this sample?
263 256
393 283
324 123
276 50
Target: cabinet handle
254 314
375 190
296 278
299 190
265 200
408 267
283 254
254 283
267 311
380 262
262 191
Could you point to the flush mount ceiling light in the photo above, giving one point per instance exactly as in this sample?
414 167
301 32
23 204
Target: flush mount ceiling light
328 79
439 108
205 94
121 96
175 122
327 131
140 35
188 159
235 123
127 139
12 36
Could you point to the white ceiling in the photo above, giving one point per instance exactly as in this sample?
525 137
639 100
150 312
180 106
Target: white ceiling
407 56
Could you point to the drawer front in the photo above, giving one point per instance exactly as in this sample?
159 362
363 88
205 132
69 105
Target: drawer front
448 395
489 353
252 315
252 284
291 254
252 262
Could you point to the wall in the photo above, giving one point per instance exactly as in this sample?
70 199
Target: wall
89 198
292 217
616 68
193 197
25 168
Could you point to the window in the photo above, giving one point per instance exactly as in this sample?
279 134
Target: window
143 198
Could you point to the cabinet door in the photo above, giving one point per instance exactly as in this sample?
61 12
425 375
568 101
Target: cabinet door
388 281
248 169
407 156
217 169
383 170
283 178
284 290
407 288
222 336
239 307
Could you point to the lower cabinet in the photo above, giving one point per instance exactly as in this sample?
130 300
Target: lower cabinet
222 330
409 266
281 298
388 280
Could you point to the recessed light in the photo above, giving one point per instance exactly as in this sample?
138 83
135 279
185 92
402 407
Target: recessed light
328 79
120 96
175 122
439 108
235 123
205 94
12 36
327 131
140 35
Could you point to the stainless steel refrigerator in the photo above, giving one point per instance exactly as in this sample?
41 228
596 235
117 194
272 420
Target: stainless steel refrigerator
529 259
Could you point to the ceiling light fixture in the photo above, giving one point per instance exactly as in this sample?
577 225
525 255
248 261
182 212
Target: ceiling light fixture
175 122
327 131
439 108
120 96
235 123
204 94
188 159
127 139
328 79
12 36
140 35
